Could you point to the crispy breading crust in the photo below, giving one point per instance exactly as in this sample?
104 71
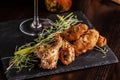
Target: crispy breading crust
74 32
49 55
67 53
102 41
86 42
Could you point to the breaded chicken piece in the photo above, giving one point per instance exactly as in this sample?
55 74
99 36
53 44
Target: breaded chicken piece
67 53
49 57
102 41
86 42
41 49
74 32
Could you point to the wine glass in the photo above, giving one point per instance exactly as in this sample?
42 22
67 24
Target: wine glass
33 26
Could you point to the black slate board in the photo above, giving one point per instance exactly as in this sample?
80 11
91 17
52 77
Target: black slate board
10 37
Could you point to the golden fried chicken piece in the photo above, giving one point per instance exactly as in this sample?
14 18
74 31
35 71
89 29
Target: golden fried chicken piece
67 53
49 56
86 42
74 32
102 41
41 49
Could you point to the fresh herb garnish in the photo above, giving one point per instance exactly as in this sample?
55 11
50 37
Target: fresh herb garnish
24 56
75 30
22 61
103 50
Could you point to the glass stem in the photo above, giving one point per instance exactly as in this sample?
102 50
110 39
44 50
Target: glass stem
36 24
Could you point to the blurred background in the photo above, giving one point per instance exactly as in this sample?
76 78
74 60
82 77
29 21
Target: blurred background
103 13
94 9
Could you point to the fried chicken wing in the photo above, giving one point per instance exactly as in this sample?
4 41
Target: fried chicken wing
49 56
74 32
67 53
86 42
102 41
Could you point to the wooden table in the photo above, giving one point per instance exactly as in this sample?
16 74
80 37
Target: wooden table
104 16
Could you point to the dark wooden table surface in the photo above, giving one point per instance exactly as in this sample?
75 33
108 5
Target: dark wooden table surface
105 16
